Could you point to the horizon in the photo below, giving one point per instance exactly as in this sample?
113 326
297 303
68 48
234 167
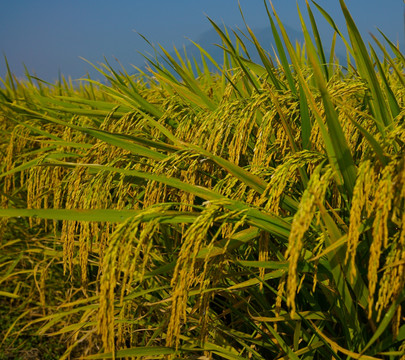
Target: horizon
49 38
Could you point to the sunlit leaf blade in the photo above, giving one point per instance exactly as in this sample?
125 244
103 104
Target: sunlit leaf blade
394 49
318 42
387 57
332 23
190 82
392 101
265 60
236 56
366 70
100 215
306 124
281 52
344 158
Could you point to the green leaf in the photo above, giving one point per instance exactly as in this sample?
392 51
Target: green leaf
266 62
135 352
385 321
365 67
306 124
32 163
341 152
103 215
391 61
319 46
191 83
236 56
281 52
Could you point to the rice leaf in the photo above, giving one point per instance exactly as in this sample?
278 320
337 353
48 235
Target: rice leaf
99 215
281 52
344 158
366 70
319 45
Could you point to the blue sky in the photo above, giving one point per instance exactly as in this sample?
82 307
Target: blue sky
52 35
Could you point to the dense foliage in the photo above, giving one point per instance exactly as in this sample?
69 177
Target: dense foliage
256 212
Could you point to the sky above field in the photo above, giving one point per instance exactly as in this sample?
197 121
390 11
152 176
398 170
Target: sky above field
49 36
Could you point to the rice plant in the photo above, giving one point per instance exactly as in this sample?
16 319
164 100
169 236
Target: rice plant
254 212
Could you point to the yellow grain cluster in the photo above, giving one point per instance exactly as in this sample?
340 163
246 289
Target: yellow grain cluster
382 206
392 281
374 201
18 141
184 273
311 198
361 195
286 174
125 261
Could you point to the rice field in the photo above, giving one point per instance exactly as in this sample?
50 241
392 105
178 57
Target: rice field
254 212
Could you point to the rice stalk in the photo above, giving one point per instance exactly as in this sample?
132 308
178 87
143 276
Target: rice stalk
256 212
